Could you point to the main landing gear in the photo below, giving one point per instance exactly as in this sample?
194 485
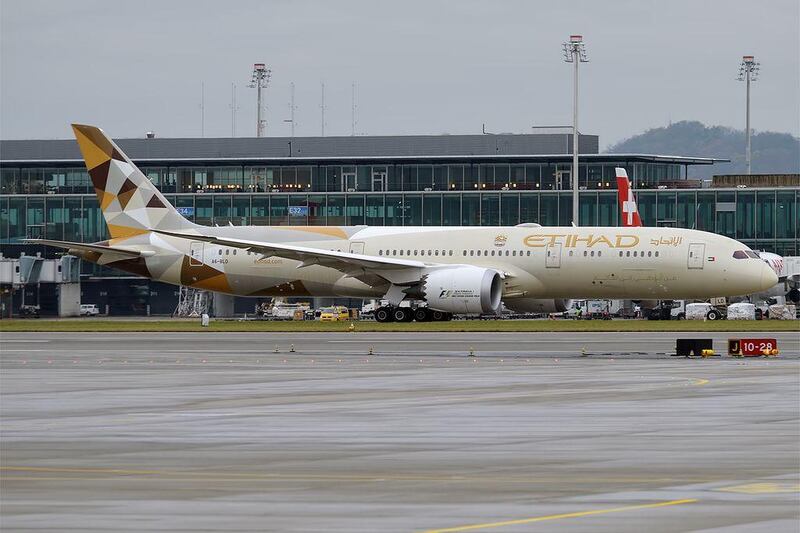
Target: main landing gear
407 314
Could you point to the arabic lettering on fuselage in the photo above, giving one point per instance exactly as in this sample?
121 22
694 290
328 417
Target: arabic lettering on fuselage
672 241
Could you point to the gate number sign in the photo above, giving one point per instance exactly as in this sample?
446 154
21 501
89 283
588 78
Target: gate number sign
751 347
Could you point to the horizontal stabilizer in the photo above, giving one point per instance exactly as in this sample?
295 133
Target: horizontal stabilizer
84 247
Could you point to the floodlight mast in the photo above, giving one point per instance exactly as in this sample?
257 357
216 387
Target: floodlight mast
575 52
260 80
748 71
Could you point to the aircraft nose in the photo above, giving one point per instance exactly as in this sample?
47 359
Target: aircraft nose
768 276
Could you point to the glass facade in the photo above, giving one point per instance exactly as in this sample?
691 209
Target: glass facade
383 177
59 203
763 219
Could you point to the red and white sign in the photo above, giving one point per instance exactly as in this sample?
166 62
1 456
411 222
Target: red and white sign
752 347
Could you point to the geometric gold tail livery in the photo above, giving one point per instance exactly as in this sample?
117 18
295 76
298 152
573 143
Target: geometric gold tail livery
130 203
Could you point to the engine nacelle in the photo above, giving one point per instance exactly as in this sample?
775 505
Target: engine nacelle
466 289
536 305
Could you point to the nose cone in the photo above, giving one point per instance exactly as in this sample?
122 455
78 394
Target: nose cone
768 277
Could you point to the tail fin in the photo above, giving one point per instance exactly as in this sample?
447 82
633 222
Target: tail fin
130 203
627 202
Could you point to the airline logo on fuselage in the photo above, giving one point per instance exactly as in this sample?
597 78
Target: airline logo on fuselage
571 240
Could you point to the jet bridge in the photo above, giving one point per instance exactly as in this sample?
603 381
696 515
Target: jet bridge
51 285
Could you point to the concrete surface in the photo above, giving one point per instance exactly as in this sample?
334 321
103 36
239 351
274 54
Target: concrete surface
217 432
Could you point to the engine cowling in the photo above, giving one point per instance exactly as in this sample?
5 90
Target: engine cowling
464 289
536 305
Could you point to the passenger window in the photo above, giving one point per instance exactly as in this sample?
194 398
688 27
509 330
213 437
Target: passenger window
401 252
548 253
437 253
529 253
628 253
570 253
220 251
620 253
492 253
592 254
599 253
234 251
227 251
450 253
394 252
585 253
472 252
380 252
514 253
649 254
656 253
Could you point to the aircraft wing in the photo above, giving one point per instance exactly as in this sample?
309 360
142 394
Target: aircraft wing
359 266
85 247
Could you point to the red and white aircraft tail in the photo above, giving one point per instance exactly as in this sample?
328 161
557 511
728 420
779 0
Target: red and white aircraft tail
630 213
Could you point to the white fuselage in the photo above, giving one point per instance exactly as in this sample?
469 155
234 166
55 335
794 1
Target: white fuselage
536 262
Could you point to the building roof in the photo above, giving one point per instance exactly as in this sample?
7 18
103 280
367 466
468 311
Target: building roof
243 150
254 148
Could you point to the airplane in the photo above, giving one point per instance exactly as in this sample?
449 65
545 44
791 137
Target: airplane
464 270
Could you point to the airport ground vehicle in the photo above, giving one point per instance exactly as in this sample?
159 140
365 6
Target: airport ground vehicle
29 311
288 311
704 310
89 310
666 310
593 309
334 314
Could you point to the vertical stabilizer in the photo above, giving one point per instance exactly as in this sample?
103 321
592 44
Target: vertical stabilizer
130 203
627 202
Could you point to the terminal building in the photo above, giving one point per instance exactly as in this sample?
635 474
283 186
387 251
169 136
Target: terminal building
450 180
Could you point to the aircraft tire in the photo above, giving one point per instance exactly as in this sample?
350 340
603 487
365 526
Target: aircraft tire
423 314
438 316
713 315
384 314
402 314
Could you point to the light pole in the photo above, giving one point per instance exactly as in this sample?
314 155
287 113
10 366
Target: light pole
575 52
260 80
748 71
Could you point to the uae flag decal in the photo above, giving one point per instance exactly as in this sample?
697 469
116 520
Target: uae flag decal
712 258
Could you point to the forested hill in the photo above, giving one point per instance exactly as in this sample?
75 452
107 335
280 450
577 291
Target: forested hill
773 153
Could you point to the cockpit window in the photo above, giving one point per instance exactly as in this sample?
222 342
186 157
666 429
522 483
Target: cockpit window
739 254
752 254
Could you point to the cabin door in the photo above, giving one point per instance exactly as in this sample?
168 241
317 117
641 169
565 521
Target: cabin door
552 257
196 253
356 247
697 252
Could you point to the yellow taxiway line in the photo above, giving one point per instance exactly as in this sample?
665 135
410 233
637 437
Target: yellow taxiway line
579 514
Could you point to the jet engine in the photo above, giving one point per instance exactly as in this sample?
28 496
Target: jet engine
535 305
465 289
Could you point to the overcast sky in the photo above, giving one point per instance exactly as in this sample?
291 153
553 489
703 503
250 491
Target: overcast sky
420 67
